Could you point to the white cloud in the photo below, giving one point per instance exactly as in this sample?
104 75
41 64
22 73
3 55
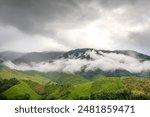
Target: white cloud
107 62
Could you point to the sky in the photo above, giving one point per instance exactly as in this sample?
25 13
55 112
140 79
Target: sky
62 25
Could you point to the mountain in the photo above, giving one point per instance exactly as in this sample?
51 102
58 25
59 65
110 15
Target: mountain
130 53
1 63
85 53
79 54
116 63
1 60
37 57
10 55
86 62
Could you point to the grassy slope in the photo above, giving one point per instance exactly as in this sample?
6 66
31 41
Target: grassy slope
113 88
21 89
9 73
101 88
38 88
107 84
81 90
69 79
61 78
138 86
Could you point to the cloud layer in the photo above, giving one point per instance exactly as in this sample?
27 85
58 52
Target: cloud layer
107 62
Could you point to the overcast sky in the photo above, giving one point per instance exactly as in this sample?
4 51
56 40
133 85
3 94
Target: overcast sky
49 25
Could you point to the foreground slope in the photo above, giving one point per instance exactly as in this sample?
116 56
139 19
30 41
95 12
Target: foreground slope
112 89
53 85
21 91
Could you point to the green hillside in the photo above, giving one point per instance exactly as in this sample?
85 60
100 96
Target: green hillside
81 91
139 87
38 88
7 83
112 89
21 91
109 88
53 86
60 78
9 73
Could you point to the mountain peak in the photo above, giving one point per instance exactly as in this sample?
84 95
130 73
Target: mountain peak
84 53
88 53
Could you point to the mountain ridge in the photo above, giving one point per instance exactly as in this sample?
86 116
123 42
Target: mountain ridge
131 53
86 62
18 57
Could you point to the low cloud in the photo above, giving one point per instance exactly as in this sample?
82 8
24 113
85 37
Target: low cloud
102 61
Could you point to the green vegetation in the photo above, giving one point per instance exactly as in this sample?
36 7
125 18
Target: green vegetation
21 91
81 91
109 88
54 91
57 86
7 83
9 73
139 87
60 78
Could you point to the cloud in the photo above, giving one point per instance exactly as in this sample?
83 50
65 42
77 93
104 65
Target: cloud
70 24
107 62
33 16
141 38
12 39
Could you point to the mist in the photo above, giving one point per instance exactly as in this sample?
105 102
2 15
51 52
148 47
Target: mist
102 61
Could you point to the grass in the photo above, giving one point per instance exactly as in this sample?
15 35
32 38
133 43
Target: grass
38 88
109 88
21 90
82 90
9 73
138 86
61 78
113 88
107 84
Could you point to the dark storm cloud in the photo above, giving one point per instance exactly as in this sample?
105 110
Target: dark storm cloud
45 17
140 39
116 3
33 15
110 4
69 23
